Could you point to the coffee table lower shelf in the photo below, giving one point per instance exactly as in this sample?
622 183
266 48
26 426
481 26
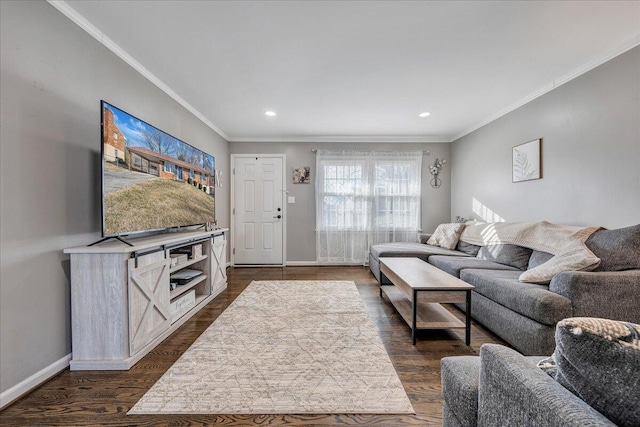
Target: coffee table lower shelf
428 315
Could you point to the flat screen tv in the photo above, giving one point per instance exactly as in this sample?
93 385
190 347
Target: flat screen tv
151 180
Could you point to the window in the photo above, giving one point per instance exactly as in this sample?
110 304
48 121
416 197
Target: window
169 167
115 136
192 174
343 197
396 197
365 198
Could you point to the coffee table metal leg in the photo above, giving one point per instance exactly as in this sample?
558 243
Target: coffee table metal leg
468 307
414 310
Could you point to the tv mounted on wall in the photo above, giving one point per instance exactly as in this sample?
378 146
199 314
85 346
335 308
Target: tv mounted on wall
151 180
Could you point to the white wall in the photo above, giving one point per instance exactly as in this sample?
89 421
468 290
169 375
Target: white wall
52 79
590 128
301 216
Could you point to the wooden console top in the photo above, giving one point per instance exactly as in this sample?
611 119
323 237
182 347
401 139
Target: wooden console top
144 243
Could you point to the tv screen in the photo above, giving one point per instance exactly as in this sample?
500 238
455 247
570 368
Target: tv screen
151 180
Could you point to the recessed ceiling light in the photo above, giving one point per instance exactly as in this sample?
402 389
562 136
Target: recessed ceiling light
270 113
425 114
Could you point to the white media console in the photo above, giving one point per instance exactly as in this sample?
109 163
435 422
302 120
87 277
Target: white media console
124 302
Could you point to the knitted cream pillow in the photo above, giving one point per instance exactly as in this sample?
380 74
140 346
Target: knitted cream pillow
446 235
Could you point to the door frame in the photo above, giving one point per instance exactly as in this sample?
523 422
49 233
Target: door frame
232 215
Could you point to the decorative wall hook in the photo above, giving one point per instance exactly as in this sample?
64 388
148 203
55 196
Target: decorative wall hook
435 171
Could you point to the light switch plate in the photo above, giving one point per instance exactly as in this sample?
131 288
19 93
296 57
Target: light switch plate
291 199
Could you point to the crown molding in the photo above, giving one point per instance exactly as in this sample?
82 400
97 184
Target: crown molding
630 44
83 23
64 8
346 139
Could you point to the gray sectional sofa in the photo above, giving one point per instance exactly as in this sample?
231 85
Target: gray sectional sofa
525 314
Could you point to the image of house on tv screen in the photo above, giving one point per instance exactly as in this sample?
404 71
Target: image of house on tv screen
152 180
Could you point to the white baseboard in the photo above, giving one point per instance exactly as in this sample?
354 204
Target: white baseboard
304 264
312 263
25 386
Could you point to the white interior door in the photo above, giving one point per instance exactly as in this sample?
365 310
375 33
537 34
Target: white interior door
258 211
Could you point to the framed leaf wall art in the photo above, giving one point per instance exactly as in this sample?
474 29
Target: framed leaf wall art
527 161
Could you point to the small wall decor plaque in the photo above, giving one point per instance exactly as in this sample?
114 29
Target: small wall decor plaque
302 175
527 161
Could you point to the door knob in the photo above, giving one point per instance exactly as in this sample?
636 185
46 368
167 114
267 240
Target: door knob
279 216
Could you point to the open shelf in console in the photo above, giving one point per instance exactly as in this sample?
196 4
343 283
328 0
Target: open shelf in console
185 264
181 289
188 277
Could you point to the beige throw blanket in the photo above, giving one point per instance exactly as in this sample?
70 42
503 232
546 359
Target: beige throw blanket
565 242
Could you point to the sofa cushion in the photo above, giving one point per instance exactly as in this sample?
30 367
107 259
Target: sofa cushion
446 235
453 264
617 249
467 248
599 361
538 258
417 250
460 378
513 255
528 299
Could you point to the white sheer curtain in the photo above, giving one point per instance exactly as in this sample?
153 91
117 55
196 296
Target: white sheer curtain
396 197
342 206
365 197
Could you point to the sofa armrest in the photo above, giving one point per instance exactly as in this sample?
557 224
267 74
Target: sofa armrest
606 294
514 392
424 237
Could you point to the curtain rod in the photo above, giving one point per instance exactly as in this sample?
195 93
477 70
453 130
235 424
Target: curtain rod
424 153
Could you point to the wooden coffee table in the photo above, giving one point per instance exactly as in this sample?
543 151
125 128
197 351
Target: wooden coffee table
418 290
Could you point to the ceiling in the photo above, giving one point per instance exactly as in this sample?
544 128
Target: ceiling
357 71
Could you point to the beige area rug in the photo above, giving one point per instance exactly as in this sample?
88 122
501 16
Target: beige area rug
284 347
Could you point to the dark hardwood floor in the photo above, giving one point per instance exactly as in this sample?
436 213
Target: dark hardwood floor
102 398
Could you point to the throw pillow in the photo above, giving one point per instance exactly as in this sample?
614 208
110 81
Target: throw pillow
513 255
446 235
599 361
538 258
617 249
468 248
572 259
